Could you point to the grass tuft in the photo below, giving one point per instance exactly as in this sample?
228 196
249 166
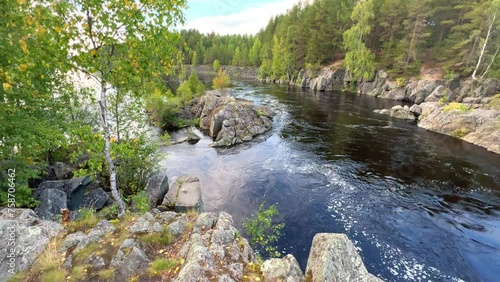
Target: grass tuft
453 106
107 274
79 273
494 104
159 265
461 132
54 275
88 219
158 239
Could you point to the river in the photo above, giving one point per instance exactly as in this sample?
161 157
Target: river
419 206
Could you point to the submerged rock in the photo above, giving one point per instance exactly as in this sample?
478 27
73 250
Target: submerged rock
402 113
333 257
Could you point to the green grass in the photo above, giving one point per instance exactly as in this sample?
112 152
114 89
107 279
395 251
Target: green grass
79 273
54 275
461 132
85 252
157 239
159 265
444 99
453 106
88 219
494 104
107 274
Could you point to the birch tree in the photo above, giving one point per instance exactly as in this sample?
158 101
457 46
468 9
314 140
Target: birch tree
123 42
492 16
359 59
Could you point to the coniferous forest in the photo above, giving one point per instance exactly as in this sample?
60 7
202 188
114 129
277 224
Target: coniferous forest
401 36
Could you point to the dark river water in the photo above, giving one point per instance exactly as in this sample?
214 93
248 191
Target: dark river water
419 206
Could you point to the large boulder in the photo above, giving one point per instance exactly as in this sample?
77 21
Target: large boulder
440 93
188 134
52 201
60 171
422 89
488 87
285 269
73 188
130 259
185 194
333 257
30 234
229 120
156 189
95 199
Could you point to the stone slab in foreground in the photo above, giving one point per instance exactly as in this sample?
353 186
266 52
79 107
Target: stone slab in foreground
333 257
185 194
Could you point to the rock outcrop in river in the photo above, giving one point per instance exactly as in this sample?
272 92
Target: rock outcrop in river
230 120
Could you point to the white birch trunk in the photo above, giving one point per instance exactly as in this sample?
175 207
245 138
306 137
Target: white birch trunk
480 60
107 151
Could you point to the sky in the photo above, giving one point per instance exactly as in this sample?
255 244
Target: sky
233 16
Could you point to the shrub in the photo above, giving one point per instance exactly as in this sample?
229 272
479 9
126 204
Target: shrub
216 66
449 75
461 132
135 159
140 202
453 106
262 231
195 84
221 81
400 81
444 99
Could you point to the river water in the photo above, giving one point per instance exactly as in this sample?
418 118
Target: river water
419 206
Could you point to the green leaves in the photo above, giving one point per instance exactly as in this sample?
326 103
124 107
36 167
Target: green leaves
263 232
359 60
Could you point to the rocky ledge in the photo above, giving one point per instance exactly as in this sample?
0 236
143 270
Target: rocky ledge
230 120
474 123
162 246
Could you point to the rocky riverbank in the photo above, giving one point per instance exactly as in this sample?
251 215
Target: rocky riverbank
458 107
232 71
160 245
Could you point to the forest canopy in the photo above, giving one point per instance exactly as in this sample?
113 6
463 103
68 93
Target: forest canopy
461 36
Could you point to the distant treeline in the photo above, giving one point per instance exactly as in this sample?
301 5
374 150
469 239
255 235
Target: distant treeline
462 36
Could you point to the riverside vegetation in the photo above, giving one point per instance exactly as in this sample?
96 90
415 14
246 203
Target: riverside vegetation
49 117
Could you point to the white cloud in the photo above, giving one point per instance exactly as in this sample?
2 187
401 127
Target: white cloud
248 21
